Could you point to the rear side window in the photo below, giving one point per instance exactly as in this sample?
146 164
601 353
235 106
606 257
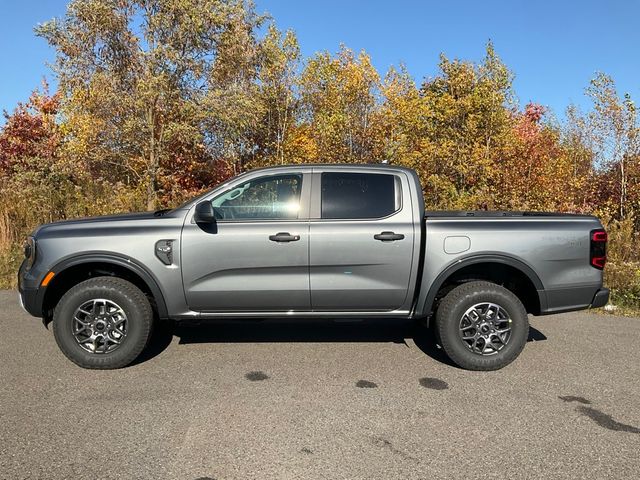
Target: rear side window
359 195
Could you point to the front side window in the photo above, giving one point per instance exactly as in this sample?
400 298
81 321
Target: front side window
264 198
359 195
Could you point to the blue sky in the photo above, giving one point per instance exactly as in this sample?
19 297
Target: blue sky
553 47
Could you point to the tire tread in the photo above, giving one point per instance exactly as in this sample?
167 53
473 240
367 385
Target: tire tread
445 314
122 287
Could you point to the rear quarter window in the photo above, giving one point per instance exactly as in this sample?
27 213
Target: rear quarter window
359 195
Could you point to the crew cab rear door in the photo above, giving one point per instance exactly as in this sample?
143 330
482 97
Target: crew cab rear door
361 240
256 257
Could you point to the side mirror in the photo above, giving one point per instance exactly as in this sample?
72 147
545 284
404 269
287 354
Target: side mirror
204 213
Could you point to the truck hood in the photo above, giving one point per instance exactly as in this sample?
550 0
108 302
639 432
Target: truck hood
116 219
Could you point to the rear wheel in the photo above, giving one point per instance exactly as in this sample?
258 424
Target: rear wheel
482 326
103 323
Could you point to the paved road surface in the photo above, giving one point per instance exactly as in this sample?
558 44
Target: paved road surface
322 400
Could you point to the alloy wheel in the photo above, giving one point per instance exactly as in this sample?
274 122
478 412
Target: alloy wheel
485 328
99 326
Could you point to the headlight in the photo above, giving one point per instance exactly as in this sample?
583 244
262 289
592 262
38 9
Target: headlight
30 251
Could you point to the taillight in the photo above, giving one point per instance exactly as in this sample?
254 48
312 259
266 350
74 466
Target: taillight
598 249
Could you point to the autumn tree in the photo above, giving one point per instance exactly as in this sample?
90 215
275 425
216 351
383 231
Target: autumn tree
536 171
402 114
616 139
137 77
31 131
34 185
231 112
466 120
339 104
277 82
577 140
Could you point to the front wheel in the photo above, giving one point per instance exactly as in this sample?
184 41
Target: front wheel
482 326
103 323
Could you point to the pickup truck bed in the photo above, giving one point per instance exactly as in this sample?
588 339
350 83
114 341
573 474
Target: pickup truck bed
545 252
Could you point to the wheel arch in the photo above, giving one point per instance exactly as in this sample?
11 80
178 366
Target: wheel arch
73 270
497 269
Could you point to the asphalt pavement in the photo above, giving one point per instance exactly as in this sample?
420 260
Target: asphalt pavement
372 400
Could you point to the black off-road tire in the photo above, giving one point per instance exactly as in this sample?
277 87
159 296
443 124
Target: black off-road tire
133 302
451 310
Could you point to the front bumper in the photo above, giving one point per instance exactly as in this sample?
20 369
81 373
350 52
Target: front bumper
601 298
29 296
21 302
29 301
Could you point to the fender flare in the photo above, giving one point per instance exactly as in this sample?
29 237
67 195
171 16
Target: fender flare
427 304
121 261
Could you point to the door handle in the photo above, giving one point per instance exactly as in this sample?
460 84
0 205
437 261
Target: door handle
388 236
284 237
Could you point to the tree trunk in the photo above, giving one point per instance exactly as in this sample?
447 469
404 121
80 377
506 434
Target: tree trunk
623 188
152 181
152 166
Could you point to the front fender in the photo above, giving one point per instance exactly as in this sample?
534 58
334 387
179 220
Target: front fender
107 258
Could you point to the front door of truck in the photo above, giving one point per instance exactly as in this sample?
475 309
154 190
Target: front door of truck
361 241
256 258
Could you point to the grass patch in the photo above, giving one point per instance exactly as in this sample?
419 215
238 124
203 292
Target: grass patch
10 259
623 278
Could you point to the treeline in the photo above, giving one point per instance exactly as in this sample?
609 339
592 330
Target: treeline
160 99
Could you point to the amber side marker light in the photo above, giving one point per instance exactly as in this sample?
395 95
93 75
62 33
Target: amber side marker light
47 279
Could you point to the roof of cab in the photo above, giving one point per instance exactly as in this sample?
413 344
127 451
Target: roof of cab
339 166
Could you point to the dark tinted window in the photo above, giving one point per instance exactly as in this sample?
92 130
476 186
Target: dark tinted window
358 195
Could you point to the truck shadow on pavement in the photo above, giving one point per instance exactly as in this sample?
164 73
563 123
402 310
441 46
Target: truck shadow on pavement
307 331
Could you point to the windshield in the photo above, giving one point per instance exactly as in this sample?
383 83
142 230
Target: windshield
197 198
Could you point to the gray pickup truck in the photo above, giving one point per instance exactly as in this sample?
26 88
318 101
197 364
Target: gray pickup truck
312 241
